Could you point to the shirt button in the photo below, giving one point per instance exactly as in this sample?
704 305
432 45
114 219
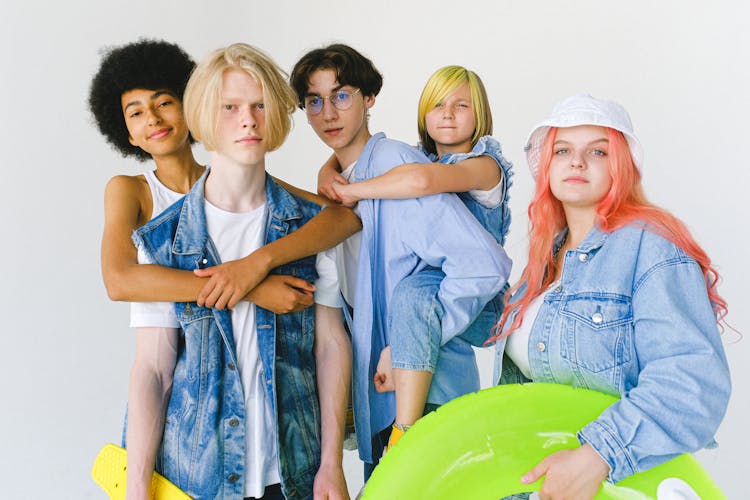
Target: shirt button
583 257
230 366
597 318
558 289
541 347
234 422
233 478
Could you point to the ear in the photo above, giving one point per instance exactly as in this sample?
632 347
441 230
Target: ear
369 101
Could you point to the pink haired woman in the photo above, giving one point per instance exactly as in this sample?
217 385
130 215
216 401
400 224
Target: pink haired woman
617 297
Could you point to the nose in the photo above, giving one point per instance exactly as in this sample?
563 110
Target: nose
247 118
577 160
448 112
329 111
153 116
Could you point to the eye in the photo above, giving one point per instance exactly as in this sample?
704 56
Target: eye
462 105
343 95
229 107
439 105
165 103
134 114
561 151
599 152
260 106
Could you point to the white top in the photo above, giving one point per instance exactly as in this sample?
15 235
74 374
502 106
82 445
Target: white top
517 346
347 252
152 313
492 198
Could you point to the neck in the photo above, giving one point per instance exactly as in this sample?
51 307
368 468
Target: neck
444 150
178 171
580 221
233 187
349 153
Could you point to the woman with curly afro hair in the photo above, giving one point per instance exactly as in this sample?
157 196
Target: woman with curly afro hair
136 101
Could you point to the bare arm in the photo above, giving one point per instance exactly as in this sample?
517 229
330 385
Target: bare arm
148 395
126 280
412 180
123 277
333 362
229 282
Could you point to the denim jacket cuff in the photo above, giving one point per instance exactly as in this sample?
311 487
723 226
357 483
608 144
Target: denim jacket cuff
607 444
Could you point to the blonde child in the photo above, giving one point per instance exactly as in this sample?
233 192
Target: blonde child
454 124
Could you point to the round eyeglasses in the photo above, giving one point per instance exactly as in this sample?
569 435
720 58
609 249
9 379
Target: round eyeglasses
341 99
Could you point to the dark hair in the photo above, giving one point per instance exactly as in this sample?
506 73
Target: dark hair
351 67
145 64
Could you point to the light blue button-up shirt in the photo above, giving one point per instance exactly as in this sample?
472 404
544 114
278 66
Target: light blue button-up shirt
402 237
632 318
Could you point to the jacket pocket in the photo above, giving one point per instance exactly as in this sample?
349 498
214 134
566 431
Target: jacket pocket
598 332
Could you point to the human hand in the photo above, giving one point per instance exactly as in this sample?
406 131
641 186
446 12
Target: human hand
569 474
344 194
384 373
229 282
330 484
282 294
326 177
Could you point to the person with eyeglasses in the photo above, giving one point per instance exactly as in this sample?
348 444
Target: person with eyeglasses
454 123
425 260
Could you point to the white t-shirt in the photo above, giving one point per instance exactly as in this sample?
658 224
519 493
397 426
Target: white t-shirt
236 235
347 253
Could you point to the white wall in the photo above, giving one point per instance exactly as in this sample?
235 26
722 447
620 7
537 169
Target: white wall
680 67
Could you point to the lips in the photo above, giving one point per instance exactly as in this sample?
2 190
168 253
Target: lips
249 140
162 132
575 179
333 131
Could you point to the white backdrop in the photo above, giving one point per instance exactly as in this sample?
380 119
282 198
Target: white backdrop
680 67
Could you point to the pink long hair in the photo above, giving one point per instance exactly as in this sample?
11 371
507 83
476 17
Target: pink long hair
623 204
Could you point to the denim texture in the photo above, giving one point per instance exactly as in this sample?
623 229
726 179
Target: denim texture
400 238
632 318
203 445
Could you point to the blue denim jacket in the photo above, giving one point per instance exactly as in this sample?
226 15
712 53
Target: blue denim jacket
399 238
203 445
632 318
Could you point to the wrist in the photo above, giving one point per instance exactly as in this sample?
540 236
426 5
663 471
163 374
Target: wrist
264 259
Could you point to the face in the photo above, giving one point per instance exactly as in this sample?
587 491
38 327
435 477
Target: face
451 123
154 121
579 171
241 125
345 131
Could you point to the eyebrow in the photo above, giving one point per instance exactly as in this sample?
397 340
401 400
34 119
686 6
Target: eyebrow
334 89
153 96
563 141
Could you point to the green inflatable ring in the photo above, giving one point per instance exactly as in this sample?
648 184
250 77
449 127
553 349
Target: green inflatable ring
478 446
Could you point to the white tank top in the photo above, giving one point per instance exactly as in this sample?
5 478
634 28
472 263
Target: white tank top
155 313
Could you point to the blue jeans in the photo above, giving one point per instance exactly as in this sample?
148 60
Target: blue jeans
414 325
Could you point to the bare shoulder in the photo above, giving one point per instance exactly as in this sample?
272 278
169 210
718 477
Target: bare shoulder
130 193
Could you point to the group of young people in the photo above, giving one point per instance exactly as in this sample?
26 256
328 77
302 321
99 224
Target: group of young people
261 310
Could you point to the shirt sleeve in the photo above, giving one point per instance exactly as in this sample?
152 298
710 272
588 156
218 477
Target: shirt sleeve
442 232
683 386
152 314
327 285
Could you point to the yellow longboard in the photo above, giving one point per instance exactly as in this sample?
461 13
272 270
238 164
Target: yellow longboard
109 472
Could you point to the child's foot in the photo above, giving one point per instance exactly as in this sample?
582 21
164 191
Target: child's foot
397 431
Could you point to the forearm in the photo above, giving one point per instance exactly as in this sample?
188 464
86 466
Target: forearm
405 181
327 229
148 395
150 283
333 362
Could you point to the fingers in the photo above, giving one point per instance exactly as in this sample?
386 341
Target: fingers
205 273
534 474
299 283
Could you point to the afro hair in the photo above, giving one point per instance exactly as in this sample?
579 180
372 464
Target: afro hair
145 64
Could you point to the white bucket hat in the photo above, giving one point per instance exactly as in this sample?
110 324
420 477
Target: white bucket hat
582 109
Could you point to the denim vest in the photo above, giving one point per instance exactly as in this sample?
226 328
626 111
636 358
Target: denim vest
203 445
632 318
